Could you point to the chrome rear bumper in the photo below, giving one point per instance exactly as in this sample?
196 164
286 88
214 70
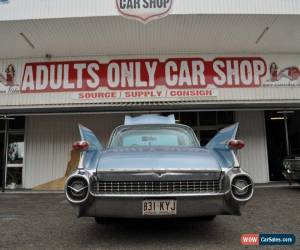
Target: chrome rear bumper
188 205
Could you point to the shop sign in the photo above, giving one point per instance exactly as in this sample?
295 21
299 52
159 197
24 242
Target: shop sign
144 10
146 79
143 79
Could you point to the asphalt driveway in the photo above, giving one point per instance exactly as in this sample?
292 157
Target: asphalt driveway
46 221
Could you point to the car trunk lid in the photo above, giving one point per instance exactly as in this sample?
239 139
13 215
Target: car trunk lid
167 162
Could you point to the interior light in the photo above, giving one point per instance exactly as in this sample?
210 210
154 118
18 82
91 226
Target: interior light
277 118
285 112
6 118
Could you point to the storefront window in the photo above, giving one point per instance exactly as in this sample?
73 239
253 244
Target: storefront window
225 118
15 151
207 118
2 125
188 118
294 132
13 164
205 124
1 157
17 123
206 135
279 146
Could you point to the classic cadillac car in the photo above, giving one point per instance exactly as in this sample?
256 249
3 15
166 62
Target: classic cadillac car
153 167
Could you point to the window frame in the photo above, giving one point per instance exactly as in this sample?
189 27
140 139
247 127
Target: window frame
7 133
198 128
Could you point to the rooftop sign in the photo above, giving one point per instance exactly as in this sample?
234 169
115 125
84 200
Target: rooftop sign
144 10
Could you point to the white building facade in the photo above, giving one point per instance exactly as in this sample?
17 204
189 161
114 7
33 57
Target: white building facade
211 63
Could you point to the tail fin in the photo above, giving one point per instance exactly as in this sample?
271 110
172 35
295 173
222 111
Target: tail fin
218 145
87 135
219 141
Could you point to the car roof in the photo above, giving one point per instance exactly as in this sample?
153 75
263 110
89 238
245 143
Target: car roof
152 125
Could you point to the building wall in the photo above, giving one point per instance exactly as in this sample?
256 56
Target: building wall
37 9
253 158
49 140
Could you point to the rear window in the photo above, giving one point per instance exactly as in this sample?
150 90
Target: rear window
154 136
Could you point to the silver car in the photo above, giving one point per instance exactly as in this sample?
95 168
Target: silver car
155 168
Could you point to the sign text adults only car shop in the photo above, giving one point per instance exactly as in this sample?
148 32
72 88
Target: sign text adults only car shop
144 78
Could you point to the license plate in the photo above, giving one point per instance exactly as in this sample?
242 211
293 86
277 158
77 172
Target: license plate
159 207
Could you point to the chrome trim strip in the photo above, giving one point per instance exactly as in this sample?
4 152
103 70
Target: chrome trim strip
157 195
155 170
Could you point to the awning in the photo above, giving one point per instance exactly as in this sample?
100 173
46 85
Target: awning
146 107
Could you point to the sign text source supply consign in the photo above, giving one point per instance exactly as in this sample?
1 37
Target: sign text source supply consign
140 94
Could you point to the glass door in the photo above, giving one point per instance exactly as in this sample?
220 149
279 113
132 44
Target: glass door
14 161
15 153
1 157
11 151
283 139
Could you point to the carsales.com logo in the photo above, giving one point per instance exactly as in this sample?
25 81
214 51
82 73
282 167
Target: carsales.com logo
267 239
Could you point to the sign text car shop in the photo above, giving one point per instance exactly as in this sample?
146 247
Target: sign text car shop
143 78
144 10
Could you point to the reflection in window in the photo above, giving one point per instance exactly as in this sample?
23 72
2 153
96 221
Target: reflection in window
15 151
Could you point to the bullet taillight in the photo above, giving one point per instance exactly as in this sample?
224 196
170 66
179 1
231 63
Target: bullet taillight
81 145
236 144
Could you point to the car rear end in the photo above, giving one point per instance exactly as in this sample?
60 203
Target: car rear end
162 194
